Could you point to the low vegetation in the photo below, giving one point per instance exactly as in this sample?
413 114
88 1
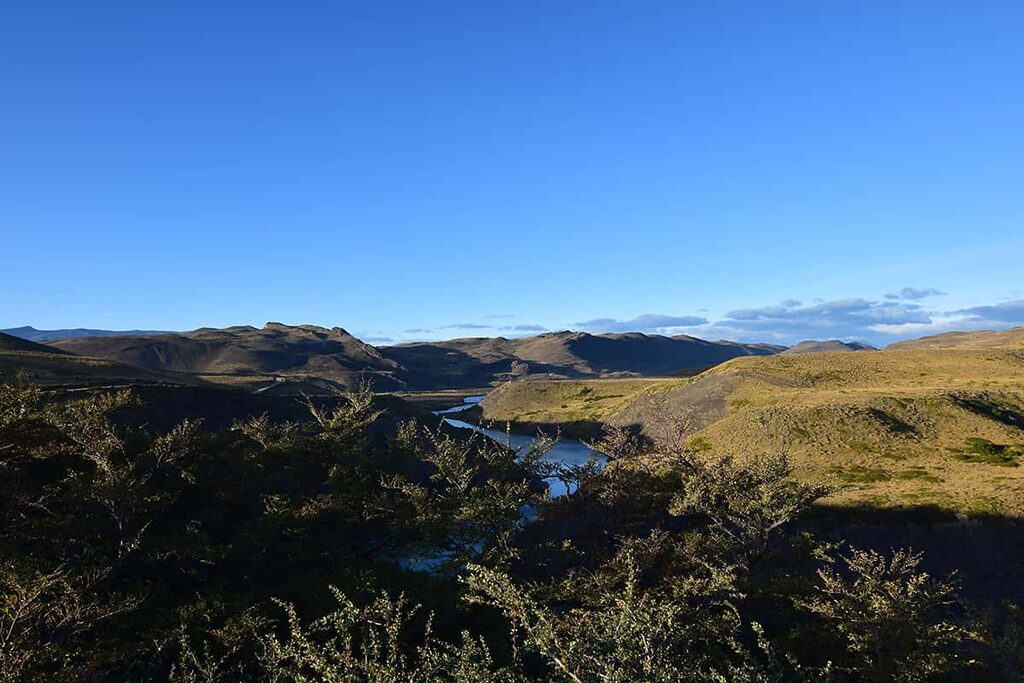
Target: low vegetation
984 451
332 550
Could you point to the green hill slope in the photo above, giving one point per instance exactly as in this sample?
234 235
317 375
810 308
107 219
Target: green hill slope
985 339
893 428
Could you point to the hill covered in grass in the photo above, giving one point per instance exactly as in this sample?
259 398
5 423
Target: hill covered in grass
984 339
575 408
896 428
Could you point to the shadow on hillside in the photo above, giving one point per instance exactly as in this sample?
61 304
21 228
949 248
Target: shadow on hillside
990 406
431 368
576 429
986 551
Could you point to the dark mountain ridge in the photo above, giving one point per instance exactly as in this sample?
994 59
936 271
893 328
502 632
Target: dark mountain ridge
10 342
828 346
32 334
301 353
566 354
42 364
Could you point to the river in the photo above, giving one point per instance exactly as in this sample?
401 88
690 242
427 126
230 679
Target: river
566 451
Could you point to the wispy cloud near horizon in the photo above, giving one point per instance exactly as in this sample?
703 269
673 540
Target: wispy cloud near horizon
1006 313
893 317
466 326
792 322
877 322
650 322
914 294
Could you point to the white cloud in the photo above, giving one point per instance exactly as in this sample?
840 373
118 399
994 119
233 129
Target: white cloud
1006 313
914 294
465 326
650 322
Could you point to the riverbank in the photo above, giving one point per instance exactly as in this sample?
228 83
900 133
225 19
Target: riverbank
440 399
567 452
573 408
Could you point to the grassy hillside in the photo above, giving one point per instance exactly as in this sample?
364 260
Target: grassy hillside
571 406
985 339
894 428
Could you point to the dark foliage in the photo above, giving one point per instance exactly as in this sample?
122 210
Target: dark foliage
285 551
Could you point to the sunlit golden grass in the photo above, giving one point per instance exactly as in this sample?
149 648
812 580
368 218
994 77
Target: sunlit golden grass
560 403
891 428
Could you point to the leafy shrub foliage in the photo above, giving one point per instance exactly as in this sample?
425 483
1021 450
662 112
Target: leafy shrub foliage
351 548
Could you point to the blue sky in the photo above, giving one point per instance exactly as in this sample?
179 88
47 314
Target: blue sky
412 170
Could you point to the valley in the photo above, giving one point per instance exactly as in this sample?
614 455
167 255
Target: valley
178 458
935 422
940 428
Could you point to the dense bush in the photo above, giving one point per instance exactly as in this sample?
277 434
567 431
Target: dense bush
318 551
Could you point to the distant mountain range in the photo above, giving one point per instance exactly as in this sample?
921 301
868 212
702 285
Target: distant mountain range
32 334
829 346
45 364
286 358
480 361
280 358
9 342
303 353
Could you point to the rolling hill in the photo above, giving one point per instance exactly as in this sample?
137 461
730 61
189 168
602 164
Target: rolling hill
894 428
985 339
